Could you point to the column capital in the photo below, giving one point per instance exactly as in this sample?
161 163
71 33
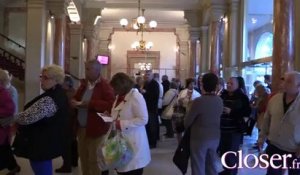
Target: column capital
57 7
35 4
217 11
195 33
89 15
75 29
234 5
193 17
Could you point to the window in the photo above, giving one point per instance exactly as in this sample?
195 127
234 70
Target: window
264 47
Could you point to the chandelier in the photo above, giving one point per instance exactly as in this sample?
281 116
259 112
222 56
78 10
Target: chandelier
139 24
145 66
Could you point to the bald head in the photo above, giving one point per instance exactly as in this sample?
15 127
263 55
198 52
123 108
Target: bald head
292 82
92 70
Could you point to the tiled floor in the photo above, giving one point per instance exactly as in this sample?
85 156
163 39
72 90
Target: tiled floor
161 163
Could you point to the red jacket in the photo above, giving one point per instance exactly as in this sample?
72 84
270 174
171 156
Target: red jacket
7 108
101 100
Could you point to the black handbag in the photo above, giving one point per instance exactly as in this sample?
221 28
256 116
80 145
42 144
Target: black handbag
178 118
182 153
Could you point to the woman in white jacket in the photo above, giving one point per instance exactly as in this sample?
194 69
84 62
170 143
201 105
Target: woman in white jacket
130 112
185 99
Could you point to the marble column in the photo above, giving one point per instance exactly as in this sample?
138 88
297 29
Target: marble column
35 47
184 59
76 62
57 7
50 41
215 51
231 45
284 43
204 62
297 34
217 11
194 57
89 35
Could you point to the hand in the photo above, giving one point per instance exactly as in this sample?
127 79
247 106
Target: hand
75 103
7 121
143 91
79 104
226 110
260 145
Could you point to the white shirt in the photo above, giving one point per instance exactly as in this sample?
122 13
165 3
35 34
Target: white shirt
161 94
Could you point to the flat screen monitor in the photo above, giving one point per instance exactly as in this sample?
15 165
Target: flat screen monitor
103 59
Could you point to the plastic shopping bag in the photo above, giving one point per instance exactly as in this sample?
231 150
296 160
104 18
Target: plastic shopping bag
115 152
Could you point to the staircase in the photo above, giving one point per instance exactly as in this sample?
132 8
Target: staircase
9 61
12 63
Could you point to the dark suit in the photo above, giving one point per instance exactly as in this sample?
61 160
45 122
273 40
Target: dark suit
151 97
166 85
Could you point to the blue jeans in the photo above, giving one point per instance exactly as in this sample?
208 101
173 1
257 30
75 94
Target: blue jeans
42 167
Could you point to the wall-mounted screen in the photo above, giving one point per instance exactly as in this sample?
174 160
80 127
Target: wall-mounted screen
103 59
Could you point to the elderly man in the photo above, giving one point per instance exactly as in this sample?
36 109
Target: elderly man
151 95
94 95
281 126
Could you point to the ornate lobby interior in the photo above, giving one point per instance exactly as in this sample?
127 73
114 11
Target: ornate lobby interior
178 38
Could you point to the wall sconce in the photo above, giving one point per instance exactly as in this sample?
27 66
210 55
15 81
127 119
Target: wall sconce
111 47
51 15
224 18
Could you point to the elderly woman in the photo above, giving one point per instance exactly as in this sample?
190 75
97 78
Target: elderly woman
204 121
7 109
185 99
130 112
41 125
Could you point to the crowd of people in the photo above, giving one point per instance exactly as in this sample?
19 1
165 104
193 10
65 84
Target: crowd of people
63 121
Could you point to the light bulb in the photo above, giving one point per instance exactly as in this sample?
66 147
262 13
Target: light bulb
153 24
149 45
135 26
124 22
141 20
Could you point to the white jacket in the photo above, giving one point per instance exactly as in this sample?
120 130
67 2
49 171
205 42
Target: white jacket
133 118
183 95
282 129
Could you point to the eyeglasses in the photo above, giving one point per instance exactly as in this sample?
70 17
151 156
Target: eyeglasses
44 77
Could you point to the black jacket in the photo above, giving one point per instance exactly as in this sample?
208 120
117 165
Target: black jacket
166 85
151 96
43 140
239 104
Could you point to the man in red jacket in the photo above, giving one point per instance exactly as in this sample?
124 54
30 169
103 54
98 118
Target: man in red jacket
94 95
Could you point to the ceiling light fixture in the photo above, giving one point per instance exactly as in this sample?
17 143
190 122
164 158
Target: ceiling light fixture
73 12
139 24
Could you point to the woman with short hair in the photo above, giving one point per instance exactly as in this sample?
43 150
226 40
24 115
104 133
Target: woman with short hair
131 115
42 124
204 121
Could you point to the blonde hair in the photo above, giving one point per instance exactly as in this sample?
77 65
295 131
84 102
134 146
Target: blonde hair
56 72
4 77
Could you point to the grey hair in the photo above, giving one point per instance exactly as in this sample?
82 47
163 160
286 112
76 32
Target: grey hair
56 72
95 64
296 76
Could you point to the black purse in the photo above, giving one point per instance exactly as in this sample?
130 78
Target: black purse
182 153
178 118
